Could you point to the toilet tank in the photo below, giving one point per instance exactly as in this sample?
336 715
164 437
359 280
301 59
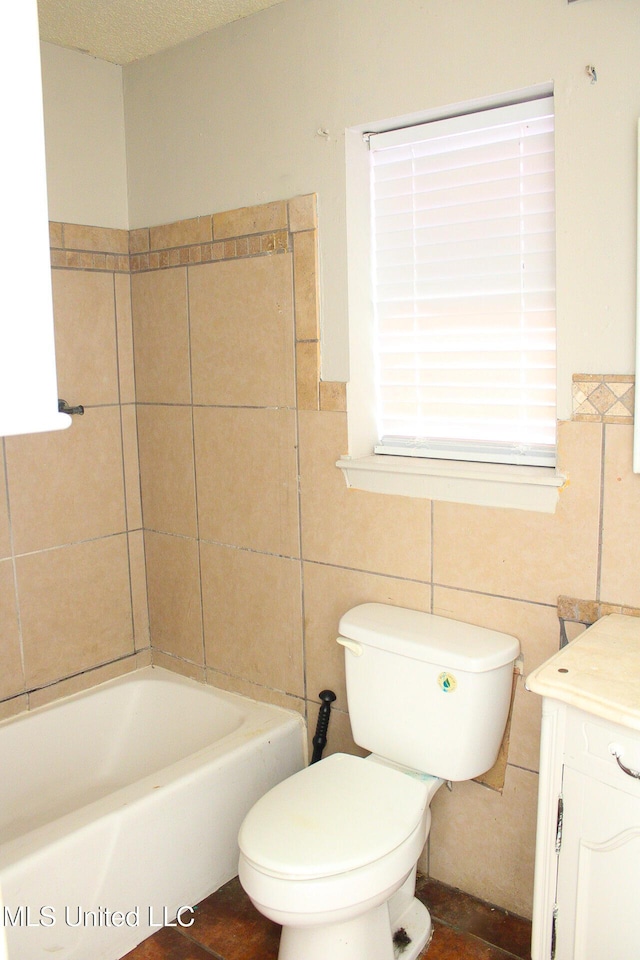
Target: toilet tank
425 691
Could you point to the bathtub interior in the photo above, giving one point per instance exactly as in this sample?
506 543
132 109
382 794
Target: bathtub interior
72 752
159 830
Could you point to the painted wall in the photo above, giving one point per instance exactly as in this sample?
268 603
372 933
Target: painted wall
84 136
232 118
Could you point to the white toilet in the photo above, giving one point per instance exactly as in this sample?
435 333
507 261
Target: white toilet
331 852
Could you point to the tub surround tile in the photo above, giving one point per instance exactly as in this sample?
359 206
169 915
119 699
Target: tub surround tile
353 528
75 608
178 234
333 396
307 375
161 336
83 496
303 213
97 239
85 334
305 265
167 477
263 218
255 691
525 555
5 537
252 616
124 329
139 593
184 667
11 675
242 332
247 478
131 457
87 680
175 608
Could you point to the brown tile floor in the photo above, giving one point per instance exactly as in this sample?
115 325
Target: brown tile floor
227 927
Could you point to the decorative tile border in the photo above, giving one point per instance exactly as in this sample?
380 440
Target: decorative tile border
284 226
588 611
603 398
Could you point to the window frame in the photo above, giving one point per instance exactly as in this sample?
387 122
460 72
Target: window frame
500 485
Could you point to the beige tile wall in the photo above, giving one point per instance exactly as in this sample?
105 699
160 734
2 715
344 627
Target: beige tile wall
253 545
73 595
274 564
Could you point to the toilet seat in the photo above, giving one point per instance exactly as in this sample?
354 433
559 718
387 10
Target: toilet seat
333 817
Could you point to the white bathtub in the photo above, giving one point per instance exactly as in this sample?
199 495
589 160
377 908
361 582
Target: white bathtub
120 805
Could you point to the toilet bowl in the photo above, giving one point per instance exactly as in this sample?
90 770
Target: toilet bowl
324 853
331 853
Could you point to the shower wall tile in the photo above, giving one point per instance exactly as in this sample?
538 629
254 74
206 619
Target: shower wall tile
5 538
82 496
85 333
161 336
139 598
621 519
303 213
180 233
75 608
308 375
131 466
165 439
84 681
124 330
255 691
253 617
305 264
353 528
175 606
529 556
11 676
247 478
81 581
97 239
259 219
242 332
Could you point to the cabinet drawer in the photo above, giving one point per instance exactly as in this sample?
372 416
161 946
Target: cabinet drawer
590 746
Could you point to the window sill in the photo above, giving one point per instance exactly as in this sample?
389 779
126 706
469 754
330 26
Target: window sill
483 484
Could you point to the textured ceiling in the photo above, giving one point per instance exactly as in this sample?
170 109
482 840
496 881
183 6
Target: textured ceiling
125 30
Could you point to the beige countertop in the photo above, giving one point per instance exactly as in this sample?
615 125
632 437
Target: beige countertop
598 672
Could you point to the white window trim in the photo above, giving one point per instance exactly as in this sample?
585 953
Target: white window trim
495 485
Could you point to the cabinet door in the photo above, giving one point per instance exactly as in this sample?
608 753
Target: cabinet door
598 892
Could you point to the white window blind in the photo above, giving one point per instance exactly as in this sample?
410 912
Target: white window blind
464 286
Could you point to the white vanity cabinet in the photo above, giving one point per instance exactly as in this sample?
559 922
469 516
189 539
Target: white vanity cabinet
587 882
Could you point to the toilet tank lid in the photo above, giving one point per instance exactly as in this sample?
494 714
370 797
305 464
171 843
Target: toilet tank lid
424 636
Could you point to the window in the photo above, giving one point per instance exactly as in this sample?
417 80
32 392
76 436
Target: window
451 264
464 286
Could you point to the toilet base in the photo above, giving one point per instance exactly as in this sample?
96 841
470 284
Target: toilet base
366 937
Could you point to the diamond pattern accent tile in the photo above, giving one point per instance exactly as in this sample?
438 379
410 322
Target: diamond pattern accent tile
603 398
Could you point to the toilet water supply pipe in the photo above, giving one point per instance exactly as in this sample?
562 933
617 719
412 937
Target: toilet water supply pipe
320 739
